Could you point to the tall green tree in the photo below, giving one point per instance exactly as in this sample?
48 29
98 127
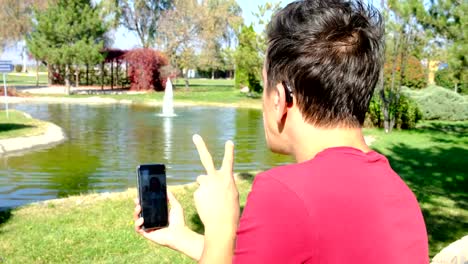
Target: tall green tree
178 34
220 26
402 42
448 20
68 33
248 60
142 17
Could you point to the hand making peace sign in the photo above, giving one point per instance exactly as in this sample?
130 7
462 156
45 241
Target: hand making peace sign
217 198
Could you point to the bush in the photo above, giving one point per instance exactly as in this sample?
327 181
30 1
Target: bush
18 68
415 77
144 69
407 113
438 103
445 78
248 61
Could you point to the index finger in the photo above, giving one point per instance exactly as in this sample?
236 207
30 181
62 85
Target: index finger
205 156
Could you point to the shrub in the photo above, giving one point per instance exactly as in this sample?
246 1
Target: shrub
438 103
407 113
248 61
446 78
415 77
18 68
144 69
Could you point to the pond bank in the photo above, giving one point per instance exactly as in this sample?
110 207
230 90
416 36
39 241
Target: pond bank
53 135
97 100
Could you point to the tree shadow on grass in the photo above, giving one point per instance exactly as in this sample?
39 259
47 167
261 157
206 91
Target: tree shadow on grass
11 127
197 224
437 176
5 215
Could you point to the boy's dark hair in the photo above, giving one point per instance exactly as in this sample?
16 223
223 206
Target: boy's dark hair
330 53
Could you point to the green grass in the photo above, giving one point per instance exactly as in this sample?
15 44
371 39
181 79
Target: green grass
89 229
432 161
18 125
19 79
99 229
218 92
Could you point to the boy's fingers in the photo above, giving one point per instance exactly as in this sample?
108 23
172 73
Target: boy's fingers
228 160
172 200
138 223
205 156
136 212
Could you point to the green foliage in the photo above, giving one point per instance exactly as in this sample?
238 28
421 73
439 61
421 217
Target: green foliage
69 32
446 78
438 103
407 113
248 61
415 76
18 68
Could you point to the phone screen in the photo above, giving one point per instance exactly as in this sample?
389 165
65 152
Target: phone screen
153 195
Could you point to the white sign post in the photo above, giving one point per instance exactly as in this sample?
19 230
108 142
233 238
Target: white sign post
6 67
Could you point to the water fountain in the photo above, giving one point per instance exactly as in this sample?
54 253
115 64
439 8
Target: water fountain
168 101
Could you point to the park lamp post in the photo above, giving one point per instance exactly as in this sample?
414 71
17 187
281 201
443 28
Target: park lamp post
6 67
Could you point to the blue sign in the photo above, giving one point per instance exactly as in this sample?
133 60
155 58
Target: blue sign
6 66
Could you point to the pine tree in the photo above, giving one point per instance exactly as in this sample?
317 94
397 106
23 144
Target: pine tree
68 33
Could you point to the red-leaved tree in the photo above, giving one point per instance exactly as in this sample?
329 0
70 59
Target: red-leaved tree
145 69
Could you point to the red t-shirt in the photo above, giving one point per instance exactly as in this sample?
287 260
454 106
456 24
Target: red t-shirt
343 206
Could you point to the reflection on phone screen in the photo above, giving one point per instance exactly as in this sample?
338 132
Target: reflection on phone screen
153 197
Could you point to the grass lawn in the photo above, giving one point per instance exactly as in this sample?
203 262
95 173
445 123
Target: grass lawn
18 125
21 79
99 229
432 161
207 91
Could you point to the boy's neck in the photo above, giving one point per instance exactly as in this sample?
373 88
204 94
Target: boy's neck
308 141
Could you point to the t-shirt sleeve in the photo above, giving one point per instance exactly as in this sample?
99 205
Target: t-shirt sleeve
272 228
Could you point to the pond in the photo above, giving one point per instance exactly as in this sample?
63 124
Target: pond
106 143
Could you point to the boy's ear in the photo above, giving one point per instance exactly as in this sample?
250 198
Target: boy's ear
281 105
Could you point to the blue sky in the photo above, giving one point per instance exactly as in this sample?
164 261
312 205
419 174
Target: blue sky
123 39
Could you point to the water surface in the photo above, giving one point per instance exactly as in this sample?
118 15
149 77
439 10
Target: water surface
106 143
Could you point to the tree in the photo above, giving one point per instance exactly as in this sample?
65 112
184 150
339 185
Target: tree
248 61
16 21
142 17
178 34
401 43
447 19
220 24
66 34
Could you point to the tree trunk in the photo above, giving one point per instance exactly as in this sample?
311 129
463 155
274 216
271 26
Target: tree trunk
112 75
456 88
50 74
187 86
212 74
87 74
102 76
37 73
77 72
67 79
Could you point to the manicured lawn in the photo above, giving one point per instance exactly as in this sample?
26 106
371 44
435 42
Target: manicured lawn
99 228
218 91
432 160
20 79
88 229
18 125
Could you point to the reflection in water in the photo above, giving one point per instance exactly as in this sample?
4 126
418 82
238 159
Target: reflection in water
167 124
106 143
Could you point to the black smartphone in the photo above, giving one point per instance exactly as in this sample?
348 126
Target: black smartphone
152 192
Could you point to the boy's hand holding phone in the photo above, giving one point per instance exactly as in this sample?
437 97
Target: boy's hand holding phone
217 203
